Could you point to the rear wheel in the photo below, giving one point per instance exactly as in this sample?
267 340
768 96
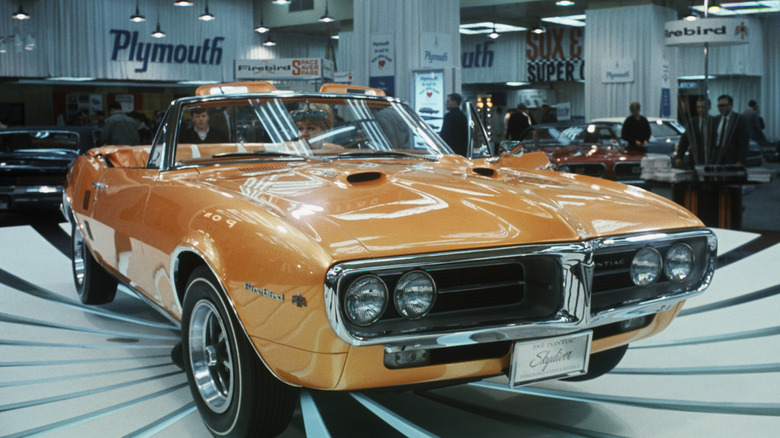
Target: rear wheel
601 363
235 393
94 284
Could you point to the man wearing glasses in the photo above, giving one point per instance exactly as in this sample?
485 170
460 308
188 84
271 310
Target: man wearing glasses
731 136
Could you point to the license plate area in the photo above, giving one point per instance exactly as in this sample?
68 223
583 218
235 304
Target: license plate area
550 358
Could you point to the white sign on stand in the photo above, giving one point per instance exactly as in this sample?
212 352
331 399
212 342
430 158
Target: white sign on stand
283 69
429 97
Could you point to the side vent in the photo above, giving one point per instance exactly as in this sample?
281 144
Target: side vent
484 171
87 194
364 177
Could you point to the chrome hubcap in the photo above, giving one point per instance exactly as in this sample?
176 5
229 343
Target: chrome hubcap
78 256
210 357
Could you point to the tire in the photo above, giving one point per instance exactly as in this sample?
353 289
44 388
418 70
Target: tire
94 284
236 395
601 363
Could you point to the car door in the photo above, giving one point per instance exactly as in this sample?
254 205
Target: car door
119 206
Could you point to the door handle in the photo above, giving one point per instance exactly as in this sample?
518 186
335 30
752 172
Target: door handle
99 185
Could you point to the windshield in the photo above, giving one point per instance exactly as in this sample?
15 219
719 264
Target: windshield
569 135
661 130
324 127
37 140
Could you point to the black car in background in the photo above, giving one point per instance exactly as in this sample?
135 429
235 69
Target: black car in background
34 161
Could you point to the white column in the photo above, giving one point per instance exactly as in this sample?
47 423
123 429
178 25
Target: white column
635 33
407 21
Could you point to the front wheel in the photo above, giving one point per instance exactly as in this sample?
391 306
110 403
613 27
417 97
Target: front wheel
94 284
235 393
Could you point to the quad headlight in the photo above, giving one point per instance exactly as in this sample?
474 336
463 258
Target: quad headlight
678 262
646 267
414 295
365 300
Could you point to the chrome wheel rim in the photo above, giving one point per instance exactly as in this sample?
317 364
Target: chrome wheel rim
210 357
78 257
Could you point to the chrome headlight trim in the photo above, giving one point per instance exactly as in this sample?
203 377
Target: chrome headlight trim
577 266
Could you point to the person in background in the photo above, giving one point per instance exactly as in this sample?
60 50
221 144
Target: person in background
548 114
518 122
100 118
200 131
454 128
732 135
693 141
636 129
755 122
120 129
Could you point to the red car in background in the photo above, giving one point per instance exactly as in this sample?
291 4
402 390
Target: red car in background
591 149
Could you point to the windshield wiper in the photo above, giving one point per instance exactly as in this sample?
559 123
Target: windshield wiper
261 153
381 154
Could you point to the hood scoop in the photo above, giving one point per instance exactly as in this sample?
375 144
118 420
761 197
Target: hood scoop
364 177
485 171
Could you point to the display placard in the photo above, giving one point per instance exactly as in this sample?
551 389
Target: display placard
429 96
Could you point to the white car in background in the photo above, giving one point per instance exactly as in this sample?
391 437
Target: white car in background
664 137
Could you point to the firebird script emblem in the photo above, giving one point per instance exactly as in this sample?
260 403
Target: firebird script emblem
263 292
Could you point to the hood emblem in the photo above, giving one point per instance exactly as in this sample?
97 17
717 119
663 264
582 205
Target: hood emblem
299 300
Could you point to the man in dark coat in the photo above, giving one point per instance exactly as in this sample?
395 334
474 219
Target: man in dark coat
454 129
518 122
200 131
731 134
636 130
694 137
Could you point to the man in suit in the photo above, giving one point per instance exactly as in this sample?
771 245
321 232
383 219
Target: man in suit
731 134
694 137
518 122
454 127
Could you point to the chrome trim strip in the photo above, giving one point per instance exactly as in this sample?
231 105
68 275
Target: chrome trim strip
577 266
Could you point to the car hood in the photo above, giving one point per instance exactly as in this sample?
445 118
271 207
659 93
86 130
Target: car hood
592 153
397 208
38 158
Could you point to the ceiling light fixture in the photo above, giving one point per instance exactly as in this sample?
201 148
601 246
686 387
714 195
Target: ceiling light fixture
269 42
564 3
183 3
281 2
327 18
20 14
206 16
493 35
262 28
137 17
539 29
158 33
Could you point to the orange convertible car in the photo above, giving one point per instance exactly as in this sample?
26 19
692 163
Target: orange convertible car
331 240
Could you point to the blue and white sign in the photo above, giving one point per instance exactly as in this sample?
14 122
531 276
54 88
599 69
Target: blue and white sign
715 31
436 50
617 70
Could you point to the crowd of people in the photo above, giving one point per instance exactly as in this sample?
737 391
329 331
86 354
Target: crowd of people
720 139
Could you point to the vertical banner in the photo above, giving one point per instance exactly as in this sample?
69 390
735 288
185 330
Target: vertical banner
666 92
429 97
381 71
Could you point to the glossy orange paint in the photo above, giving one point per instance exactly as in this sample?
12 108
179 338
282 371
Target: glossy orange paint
278 227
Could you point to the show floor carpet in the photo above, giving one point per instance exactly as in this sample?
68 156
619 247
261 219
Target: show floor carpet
67 370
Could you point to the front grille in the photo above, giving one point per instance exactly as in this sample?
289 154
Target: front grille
627 171
473 294
612 285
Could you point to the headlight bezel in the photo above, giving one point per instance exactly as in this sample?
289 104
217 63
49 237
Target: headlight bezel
398 294
350 315
668 265
658 270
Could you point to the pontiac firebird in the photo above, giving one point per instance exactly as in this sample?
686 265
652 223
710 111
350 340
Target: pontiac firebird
369 256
